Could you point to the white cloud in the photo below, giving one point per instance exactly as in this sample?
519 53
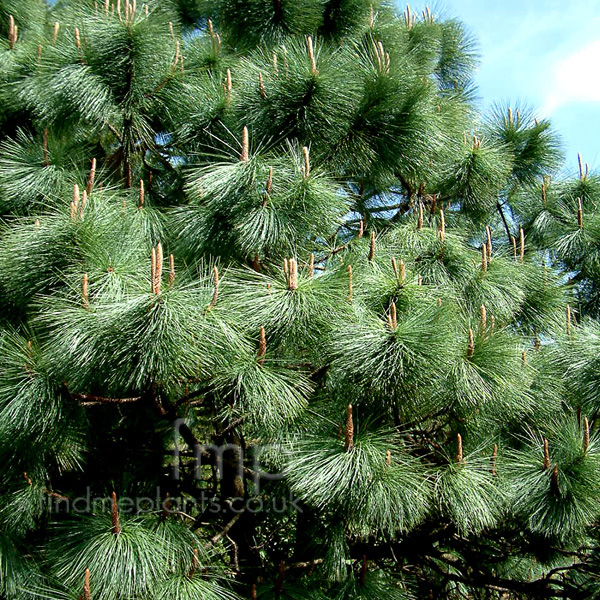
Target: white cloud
575 78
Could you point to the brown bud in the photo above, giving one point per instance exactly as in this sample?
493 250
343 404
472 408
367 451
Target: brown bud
544 193
195 563
171 271
45 148
55 33
361 229
522 243
524 357
253 597
569 319
420 219
349 432
554 480
84 198
245 145
76 195
580 162
262 346
350 290
311 265
442 226
492 323
306 166
439 302
153 270
471 345
482 319
116 526
293 279
159 266
459 448
372 247
142 194
514 245
393 320
84 291
280 577
484 259
586 434
77 39
311 56
395 267
402 272
269 185
363 571
215 287
388 458
86 585
488 231
228 84
494 459
546 455
12 32
579 214
261 85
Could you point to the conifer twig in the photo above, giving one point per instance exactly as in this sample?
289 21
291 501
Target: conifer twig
471 344
546 455
442 226
311 265
420 219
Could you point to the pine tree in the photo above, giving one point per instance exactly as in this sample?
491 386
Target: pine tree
265 252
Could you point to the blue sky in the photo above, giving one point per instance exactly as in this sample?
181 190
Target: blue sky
544 54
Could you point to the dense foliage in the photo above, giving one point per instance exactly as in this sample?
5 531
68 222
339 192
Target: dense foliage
306 322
